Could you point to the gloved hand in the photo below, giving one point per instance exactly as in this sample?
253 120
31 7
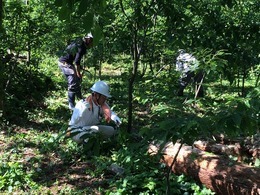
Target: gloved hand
116 119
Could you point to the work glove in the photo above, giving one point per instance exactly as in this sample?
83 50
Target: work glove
116 119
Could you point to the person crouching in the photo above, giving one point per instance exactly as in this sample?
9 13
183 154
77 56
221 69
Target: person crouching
89 112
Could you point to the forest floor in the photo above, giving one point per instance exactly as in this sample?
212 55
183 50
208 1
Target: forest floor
58 176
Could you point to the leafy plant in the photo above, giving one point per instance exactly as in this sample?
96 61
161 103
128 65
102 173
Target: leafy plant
13 176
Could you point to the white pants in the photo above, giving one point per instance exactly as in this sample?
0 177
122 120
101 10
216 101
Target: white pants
105 131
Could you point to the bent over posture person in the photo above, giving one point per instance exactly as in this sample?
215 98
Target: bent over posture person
69 64
88 113
188 66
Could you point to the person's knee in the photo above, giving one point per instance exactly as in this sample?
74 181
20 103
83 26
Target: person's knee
107 131
74 82
84 133
75 90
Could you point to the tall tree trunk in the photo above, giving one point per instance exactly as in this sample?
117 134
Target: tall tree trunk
1 66
131 82
244 80
257 80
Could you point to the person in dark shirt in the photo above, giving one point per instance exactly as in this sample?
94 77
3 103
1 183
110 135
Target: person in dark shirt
69 64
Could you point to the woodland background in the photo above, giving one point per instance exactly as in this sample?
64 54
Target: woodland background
135 47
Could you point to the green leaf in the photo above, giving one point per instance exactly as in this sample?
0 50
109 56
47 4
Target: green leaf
64 13
88 22
237 119
104 3
83 7
58 3
98 34
257 162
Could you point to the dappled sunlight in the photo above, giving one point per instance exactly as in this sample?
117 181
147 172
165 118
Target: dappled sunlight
169 142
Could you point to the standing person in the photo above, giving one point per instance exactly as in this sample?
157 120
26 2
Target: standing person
88 113
188 66
69 64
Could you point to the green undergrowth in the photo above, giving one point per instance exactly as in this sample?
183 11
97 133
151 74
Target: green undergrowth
36 158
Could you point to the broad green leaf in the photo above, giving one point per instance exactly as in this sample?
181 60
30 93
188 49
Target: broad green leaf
83 7
88 22
64 13
58 3
257 162
237 119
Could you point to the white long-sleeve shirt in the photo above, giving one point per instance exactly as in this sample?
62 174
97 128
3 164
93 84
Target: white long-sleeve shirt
84 116
186 62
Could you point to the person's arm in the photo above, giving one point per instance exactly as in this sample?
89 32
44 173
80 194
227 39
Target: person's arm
78 69
77 63
79 55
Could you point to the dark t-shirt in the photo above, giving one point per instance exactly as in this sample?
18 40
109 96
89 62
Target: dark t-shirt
74 52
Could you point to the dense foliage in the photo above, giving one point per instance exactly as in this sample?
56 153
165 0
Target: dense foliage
136 45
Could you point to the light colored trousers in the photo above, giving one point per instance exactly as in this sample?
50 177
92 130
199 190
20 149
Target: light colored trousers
104 130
